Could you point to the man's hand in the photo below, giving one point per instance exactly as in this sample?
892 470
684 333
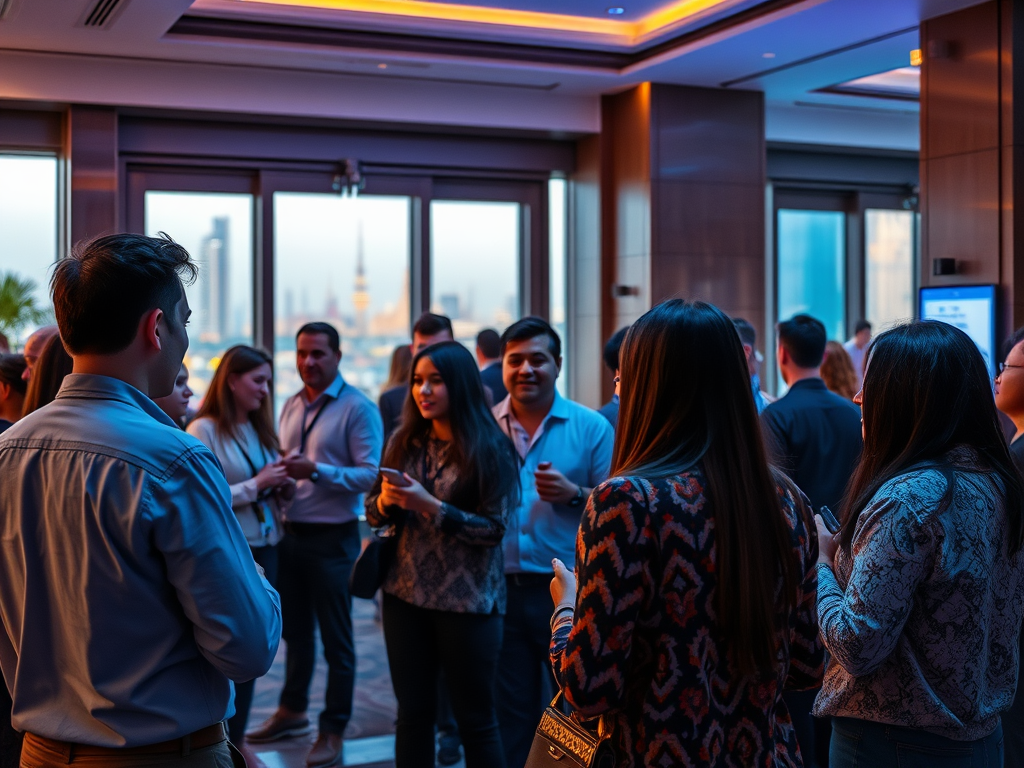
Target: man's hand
552 486
271 476
298 466
563 586
413 497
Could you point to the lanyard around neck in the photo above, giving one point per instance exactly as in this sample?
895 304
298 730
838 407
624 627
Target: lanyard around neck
307 428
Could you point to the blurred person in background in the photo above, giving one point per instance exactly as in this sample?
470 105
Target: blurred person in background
428 329
398 371
51 366
236 422
176 404
1009 391
34 346
12 389
444 595
748 338
696 564
857 348
837 371
5 344
610 356
488 359
921 593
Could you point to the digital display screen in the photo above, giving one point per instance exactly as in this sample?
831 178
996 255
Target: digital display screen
971 308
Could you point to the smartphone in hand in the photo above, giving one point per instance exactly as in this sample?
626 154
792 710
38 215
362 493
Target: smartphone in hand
394 477
830 520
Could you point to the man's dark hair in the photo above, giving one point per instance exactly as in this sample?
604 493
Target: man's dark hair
328 330
105 286
804 338
530 328
489 343
11 369
610 355
429 324
1013 341
861 325
747 332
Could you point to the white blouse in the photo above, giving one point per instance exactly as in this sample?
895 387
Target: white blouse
228 449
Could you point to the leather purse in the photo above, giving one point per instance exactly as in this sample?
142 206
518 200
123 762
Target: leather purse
372 566
562 741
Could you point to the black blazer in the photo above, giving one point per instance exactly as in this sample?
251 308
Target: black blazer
814 436
491 377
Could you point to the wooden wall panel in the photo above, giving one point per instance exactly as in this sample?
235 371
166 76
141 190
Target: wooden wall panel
92 139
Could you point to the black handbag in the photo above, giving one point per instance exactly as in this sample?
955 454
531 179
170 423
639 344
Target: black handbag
372 566
562 741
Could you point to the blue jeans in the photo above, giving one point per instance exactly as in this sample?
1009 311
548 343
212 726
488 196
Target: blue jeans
863 744
315 565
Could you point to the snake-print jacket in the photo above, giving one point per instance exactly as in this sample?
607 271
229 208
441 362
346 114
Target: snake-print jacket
922 621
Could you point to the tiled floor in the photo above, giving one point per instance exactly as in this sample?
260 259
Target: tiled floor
369 738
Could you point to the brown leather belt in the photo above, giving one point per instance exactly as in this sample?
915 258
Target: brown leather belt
204 737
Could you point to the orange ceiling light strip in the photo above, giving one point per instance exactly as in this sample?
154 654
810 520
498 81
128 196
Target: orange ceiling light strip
628 31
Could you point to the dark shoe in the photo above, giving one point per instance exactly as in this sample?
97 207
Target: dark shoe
326 751
283 724
448 752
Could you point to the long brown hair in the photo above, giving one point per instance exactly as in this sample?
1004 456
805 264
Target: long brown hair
219 403
52 365
837 371
401 367
686 403
926 391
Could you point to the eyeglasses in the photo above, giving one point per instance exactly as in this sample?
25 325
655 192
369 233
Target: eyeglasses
1004 366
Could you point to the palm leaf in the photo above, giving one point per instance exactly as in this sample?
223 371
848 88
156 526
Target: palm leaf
18 306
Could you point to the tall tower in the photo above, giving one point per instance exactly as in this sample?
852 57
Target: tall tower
360 293
213 251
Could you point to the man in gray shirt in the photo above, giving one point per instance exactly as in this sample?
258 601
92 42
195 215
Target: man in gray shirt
128 596
332 436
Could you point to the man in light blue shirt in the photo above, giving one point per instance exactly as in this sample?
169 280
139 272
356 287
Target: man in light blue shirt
128 596
566 451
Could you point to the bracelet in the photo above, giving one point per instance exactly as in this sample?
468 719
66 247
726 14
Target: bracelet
559 610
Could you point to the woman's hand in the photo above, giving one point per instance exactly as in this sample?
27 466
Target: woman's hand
413 497
563 586
271 476
826 543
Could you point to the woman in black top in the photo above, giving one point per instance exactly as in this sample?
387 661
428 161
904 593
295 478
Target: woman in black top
444 596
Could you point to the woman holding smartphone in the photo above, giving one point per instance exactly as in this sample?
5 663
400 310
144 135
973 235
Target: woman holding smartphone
236 422
449 479
921 594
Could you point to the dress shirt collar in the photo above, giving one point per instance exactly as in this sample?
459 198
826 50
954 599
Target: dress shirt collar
92 386
559 409
332 391
813 382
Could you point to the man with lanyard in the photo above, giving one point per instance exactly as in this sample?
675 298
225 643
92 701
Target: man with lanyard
566 450
332 436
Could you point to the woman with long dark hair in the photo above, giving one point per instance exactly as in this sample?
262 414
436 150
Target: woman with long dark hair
236 422
695 563
52 365
444 595
920 595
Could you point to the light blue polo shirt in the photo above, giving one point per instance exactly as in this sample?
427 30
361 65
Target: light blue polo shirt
578 443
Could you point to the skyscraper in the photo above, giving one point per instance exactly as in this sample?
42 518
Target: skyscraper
361 288
213 273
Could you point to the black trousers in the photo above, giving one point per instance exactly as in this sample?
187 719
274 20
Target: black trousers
525 682
315 565
420 643
267 558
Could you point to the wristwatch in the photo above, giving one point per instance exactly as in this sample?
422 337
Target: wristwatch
314 476
576 500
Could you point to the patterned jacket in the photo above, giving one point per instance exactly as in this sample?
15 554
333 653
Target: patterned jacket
922 621
644 646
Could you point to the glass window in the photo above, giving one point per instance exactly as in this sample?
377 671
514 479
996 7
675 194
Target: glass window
558 261
812 267
345 261
474 277
217 230
889 267
28 228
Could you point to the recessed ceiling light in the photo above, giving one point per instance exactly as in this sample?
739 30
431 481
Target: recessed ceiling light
616 10
768 55
382 66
